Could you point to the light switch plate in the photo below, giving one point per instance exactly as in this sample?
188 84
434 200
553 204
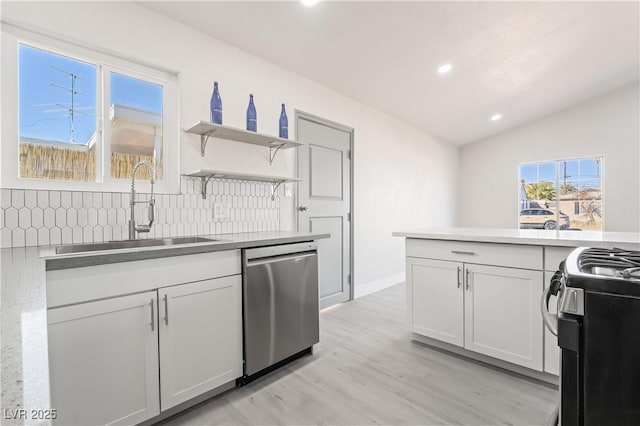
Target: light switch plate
288 189
221 211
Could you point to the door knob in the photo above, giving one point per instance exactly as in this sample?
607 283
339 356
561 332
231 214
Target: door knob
303 208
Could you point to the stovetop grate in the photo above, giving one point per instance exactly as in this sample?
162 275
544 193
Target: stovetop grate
618 262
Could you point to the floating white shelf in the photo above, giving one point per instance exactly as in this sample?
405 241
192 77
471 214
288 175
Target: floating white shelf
206 130
206 175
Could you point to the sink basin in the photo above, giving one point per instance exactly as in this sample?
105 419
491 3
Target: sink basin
114 245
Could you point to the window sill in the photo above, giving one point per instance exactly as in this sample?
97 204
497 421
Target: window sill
119 186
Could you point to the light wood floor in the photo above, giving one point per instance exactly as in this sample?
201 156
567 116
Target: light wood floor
366 371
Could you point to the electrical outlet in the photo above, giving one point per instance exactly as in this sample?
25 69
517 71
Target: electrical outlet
221 211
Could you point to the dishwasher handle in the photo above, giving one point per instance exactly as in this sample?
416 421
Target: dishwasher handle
263 260
279 250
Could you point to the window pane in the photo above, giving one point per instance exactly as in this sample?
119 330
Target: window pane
577 198
547 172
529 173
583 199
57 114
136 126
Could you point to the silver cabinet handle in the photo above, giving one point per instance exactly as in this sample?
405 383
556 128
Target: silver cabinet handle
166 310
471 253
303 208
459 276
153 317
468 277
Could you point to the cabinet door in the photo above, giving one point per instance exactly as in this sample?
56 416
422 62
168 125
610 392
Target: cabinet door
200 337
551 349
435 299
103 361
502 314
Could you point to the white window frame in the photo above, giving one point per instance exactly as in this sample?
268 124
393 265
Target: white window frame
12 38
556 185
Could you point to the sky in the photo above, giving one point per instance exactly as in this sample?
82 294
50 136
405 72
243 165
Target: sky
40 115
581 173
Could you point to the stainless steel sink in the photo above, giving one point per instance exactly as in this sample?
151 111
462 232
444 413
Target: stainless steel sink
114 245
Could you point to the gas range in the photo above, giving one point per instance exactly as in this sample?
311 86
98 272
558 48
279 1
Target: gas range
597 328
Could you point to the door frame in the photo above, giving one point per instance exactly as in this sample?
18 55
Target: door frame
324 122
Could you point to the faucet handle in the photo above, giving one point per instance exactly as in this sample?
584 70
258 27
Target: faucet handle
152 204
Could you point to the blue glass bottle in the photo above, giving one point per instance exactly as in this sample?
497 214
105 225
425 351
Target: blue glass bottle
284 124
216 105
252 118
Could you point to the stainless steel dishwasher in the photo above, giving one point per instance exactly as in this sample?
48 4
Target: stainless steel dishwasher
280 305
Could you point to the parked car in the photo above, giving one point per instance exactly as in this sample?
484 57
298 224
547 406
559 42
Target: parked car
542 219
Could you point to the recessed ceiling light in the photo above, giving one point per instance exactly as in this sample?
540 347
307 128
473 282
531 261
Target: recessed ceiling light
309 3
496 117
445 68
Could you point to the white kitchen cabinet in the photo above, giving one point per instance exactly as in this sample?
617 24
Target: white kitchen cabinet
435 299
118 359
502 314
493 309
103 361
200 337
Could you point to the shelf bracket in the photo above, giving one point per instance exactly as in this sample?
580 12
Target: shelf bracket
204 138
204 181
273 152
274 188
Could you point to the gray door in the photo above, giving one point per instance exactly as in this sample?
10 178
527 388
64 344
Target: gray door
324 201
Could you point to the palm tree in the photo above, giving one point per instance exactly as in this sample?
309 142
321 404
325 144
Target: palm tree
543 190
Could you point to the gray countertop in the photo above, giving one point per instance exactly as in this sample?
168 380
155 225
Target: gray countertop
25 370
627 240
222 242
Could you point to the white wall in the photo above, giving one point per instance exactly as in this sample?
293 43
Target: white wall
403 178
607 125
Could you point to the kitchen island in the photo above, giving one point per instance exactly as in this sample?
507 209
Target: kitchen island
25 368
476 292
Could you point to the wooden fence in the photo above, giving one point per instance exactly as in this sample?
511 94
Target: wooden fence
48 162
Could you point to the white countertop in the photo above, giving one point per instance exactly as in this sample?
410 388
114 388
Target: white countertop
627 240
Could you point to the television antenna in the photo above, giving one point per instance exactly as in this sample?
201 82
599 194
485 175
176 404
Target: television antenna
71 108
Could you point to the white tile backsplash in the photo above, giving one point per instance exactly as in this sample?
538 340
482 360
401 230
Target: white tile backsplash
49 217
43 237
11 218
31 237
24 218
17 198
30 217
65 199
54 199
5 198
43 199
17 235
30 198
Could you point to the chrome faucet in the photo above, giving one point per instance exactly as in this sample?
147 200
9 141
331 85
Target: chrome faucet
132 202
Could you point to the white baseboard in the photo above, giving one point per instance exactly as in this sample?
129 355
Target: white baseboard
377 285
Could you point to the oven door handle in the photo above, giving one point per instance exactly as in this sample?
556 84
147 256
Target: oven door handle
550 320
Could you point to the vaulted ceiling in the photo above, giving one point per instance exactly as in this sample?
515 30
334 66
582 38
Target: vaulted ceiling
523 60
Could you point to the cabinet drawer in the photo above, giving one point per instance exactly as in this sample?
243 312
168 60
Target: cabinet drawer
510 255
76 285
554 255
